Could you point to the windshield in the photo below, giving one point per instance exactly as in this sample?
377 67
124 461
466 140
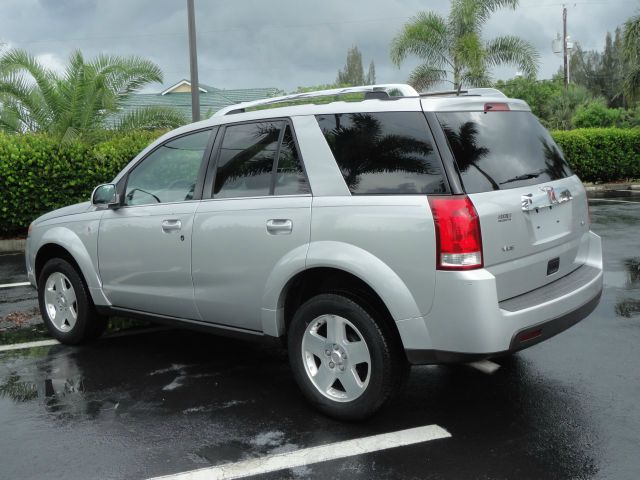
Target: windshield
502 150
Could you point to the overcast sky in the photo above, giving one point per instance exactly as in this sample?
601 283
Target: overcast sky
276 43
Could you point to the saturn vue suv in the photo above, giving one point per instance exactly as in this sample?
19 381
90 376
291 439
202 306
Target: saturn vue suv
367 228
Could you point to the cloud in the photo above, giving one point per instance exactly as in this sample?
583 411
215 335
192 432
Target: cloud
279 43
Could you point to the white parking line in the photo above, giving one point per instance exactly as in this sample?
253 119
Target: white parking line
11 285
485 366
308 456
19 346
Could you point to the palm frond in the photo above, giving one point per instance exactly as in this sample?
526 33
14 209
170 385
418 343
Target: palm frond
19 62
426 36
515 51
424 77
151 118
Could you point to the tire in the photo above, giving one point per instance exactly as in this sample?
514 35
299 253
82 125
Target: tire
66 307
346 364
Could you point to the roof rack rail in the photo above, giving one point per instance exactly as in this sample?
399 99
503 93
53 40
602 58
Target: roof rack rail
471 92
388 91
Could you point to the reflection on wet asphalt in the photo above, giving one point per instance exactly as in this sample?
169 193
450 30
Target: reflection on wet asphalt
170 401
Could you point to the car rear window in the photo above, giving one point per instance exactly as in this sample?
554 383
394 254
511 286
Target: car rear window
384 153
502 150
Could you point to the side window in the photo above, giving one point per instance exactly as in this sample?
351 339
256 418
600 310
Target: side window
245 163
290 179
384 153
169 173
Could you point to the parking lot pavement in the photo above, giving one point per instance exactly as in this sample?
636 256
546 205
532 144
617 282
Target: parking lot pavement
15 300
173 401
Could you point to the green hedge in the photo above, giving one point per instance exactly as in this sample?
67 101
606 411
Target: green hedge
39 173
602 154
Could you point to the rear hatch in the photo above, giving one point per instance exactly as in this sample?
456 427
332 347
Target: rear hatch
532 208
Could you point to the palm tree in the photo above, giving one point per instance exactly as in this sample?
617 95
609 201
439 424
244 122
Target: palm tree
453 50
631 54
86 98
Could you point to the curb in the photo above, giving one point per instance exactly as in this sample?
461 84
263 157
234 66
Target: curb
612 186
13 245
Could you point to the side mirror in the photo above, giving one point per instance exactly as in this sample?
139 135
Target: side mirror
105 195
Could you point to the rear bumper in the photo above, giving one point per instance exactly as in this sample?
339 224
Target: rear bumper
542 331
467 322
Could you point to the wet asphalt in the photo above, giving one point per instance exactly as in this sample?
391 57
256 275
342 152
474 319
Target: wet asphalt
164 402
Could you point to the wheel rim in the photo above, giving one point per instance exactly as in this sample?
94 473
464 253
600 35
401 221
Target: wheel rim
336 358
60 302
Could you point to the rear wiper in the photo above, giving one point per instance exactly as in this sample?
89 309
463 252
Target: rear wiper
526 176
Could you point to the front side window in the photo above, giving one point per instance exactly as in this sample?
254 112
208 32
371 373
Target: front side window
169 173
384 153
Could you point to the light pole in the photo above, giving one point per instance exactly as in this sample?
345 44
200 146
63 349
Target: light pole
564 46
193 64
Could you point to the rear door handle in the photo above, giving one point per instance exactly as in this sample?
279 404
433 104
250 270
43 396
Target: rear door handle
171 225
279 226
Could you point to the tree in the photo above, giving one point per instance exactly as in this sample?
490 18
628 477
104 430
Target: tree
353 72
537 93
453 50
85 99
602 73
631 56
371 74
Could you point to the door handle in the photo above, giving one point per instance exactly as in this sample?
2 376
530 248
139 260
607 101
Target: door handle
171 225
279 226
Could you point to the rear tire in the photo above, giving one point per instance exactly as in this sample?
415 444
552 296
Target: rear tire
66 307
346 364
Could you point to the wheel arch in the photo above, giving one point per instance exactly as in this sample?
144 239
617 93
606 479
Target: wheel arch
337 267
61 242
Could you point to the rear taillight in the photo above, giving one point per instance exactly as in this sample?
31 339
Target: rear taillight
458 237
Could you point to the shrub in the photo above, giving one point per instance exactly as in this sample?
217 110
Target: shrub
596 115
39 174
602 154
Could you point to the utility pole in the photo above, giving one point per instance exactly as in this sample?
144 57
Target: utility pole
564 47
193 63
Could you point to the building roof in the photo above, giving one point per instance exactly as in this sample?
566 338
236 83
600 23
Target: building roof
212 99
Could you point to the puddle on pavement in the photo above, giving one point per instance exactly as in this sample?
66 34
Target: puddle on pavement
628 303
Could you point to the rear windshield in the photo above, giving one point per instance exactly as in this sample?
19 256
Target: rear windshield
384 152
501 150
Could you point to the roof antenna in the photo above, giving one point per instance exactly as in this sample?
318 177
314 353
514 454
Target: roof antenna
459 89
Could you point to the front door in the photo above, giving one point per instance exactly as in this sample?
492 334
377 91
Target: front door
144 247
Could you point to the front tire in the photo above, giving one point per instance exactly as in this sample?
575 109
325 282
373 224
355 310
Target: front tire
66 307
345 363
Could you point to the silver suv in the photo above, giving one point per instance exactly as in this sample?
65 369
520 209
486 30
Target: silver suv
396 228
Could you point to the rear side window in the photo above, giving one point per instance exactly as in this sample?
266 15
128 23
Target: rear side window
384 153
289 177
502 150
259 159
246 160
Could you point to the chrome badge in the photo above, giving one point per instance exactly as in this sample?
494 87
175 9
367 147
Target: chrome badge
548 198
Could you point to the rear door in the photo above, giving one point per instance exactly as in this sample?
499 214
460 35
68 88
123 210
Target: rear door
532 208
259 212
